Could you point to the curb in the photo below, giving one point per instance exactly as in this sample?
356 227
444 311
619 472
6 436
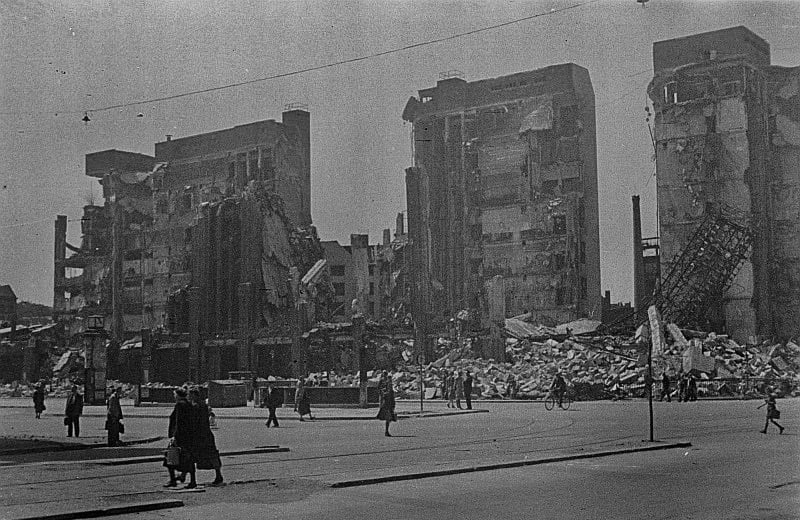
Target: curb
136 507
416 415
160 458
501 465
72 447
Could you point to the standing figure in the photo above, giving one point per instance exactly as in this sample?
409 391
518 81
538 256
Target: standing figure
772 413
302 403
113 418
458 389
665 388
682 383
511 387
446 388
181 434
451 390
691 389
73 412
273 400
468 389
206 455
387 401
38 400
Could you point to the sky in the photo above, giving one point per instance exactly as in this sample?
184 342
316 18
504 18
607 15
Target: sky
62 59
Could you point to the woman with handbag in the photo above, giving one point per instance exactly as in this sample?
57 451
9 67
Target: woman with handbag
206 455
182 440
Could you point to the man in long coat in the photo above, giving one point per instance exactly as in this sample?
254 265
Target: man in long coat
73 412
114 418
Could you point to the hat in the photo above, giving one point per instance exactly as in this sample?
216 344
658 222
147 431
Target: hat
180 391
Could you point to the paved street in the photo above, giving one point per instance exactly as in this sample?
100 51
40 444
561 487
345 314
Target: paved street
729 470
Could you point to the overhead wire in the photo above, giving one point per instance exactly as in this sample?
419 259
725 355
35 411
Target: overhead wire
356 59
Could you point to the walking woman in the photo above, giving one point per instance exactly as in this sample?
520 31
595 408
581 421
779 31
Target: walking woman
38 400
302 404
181 434
772 413
206 455
387 402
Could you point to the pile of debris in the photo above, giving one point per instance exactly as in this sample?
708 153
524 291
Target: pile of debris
593 366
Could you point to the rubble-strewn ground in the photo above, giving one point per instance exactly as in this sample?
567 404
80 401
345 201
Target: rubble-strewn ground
597 367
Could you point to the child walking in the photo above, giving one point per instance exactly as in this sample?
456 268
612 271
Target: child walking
772 414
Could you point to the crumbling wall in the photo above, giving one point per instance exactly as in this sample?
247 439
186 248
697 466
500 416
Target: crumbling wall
785 199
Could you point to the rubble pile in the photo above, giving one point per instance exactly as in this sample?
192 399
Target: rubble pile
595 365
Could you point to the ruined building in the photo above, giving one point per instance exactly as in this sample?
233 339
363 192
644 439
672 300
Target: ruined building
727 131
376 275
504 184
206 244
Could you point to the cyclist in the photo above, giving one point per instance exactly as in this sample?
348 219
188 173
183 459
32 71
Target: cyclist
558 387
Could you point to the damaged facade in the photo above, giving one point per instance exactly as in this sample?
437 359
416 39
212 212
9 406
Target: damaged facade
727 131
208 245
504 190
373 274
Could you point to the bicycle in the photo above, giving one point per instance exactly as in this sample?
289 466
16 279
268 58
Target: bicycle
551 400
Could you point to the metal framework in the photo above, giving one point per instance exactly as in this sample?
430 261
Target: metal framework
704 269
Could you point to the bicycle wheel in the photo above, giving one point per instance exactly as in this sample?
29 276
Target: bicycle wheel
566 402
549 402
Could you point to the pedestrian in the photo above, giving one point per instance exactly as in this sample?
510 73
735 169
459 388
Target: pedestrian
682 384
772 413
691 389
114 418
458 389
38 400
206 454
273 400
182 435
302 403
665 388
73 412
468 389
451 390
387 401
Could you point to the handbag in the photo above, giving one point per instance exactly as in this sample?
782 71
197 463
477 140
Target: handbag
121 428
66 421
172 457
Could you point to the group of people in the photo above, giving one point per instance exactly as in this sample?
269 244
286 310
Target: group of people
73 410
687 388
456 387
190 432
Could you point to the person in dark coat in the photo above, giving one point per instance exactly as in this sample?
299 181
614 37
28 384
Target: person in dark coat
73 412
273 400
302 404
682 383
772 414
387 401
691 389
38 401
113 418
665 390
182 434
468 389
206 455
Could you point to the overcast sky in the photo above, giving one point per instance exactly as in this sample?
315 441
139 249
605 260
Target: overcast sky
61 58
